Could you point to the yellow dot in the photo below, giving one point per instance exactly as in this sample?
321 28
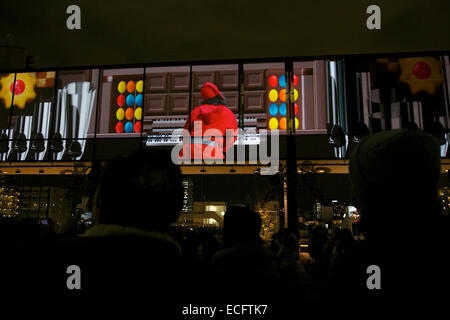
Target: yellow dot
290 123
138 113
295 94
273 95
273 124
122 86
120 114
140 86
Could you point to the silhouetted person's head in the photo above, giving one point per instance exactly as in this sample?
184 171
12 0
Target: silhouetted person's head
395 175
346 238
143 191
241 225
289 239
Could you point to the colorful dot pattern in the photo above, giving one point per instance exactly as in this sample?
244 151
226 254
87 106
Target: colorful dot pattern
129 106
276 93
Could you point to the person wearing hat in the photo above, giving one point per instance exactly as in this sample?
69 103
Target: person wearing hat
213 114
395 177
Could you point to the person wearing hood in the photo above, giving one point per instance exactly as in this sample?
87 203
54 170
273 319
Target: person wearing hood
212 114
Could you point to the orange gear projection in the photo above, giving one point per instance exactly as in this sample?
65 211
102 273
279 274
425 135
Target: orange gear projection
421 74
23 89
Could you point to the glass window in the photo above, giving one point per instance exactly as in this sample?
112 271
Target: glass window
5 113
224 77
385 93
121 101
310 95
263 95
6 80
32 100
166 102
73 117
120 112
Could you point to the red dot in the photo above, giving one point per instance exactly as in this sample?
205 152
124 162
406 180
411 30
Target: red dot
121 100
119 127
296 108
421 70
137 126
18 88
295 80
273 81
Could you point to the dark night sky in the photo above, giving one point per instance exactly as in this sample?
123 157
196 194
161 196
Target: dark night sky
142 31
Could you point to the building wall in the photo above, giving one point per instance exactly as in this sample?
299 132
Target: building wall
162 31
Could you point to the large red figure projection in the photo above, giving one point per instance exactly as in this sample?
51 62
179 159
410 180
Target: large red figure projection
212 114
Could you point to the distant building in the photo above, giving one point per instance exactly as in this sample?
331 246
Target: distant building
188 196
204 213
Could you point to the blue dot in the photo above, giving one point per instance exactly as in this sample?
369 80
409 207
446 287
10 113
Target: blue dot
283 109
282 81
139 99
130 100
273 109
129 127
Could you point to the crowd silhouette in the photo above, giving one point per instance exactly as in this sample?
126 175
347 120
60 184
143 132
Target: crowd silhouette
133 252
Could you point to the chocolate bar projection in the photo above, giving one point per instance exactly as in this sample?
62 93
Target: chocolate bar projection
75 103
22 134
40 130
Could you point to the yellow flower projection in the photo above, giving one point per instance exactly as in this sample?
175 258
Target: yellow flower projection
23 89
421 74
